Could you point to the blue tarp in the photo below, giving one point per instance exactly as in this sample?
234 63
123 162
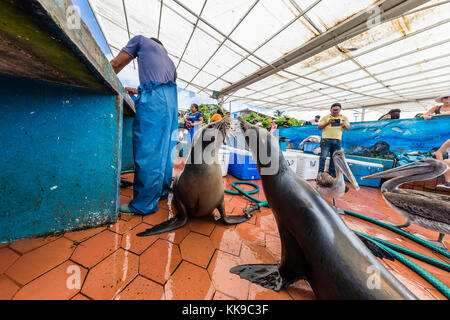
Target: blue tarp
388 138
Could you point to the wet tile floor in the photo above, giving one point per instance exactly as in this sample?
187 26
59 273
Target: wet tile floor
191 263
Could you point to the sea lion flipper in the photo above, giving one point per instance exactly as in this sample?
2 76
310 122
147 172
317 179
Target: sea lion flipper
376 250
166 226
266 275
174 223
231 220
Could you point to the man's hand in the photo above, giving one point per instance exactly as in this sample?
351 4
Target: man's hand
427 117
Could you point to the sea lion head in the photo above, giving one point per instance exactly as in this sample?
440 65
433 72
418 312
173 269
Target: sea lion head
208 140
264 147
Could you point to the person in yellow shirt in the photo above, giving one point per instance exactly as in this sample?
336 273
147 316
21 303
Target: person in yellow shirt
218 116
332 126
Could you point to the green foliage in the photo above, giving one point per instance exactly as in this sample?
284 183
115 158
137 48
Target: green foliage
278 113
296 123
280 121
265 121
208 110
292 121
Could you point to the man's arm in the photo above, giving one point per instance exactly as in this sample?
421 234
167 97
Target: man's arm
322 125
345 125
121 61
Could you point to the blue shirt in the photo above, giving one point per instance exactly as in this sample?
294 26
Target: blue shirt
194 117
153 59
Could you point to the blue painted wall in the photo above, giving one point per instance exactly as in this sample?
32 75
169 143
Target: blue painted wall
127 143
403 135
61 158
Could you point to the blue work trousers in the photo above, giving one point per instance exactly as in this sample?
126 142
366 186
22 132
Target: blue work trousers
155 129
328 146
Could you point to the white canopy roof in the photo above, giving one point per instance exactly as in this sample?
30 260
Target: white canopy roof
296 55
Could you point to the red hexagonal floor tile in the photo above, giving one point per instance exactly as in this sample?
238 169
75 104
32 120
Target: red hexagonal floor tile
273 244
61 283
80 236
159 261
7 258
254 254
223 280
26 245
94 250
227 240
301 290
176 236
251 233
197 249
142 289
259 293
109 277
204 225
221 296
135 244
37 262
122 226
7 288
189 282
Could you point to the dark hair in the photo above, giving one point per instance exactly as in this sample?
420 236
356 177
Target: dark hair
157 41
317 117
219 111
395 113
337 104
195 106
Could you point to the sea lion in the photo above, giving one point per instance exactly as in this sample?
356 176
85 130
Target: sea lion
198 189
316 245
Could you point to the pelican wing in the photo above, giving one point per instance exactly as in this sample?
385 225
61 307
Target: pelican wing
324 179
430 206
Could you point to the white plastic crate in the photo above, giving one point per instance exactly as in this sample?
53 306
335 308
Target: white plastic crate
308 165
291 159
224 160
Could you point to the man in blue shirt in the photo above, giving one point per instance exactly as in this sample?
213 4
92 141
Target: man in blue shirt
155 124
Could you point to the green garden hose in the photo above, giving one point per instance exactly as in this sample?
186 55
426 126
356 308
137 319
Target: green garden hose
417 269
126 182
409 252
259 203
418 240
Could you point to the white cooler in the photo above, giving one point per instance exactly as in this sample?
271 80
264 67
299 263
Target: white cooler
291 159
308 165
224 160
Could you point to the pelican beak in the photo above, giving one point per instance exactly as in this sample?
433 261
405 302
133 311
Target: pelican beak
406 170
339 161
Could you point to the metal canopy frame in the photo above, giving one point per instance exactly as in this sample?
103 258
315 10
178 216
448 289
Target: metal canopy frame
334 36
272 82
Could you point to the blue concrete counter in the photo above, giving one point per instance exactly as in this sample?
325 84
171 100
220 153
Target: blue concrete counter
62 113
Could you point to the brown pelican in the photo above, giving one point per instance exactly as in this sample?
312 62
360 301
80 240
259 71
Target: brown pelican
425 209
334 187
